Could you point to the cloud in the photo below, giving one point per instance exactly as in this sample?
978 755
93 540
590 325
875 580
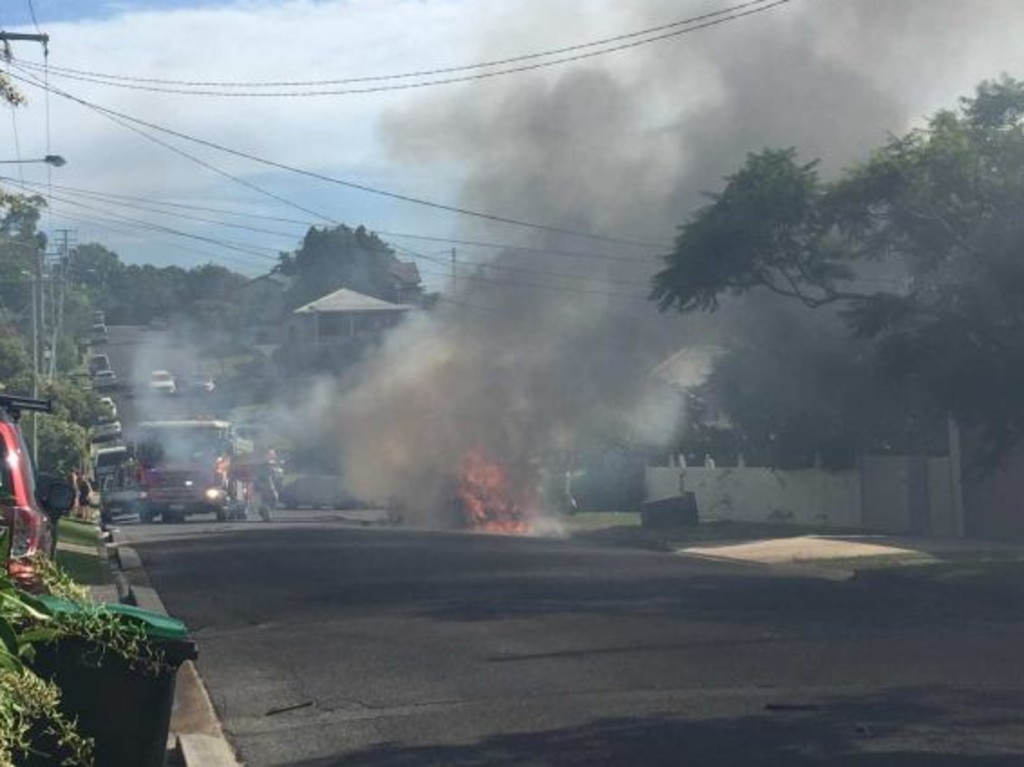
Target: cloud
899 60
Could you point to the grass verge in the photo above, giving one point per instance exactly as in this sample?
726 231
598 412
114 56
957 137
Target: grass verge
85 567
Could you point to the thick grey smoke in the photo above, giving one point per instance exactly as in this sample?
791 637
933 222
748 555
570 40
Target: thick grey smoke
623 145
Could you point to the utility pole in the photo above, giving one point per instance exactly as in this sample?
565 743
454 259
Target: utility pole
63 258
35 357
6 38
453 271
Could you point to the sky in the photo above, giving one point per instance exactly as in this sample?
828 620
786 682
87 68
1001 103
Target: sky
399 140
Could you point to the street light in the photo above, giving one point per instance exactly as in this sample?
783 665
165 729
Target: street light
51 159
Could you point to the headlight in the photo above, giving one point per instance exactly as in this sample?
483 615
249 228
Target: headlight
213 493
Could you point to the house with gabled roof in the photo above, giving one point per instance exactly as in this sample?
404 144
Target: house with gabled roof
341 316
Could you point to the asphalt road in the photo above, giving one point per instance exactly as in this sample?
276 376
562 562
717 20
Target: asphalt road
323 642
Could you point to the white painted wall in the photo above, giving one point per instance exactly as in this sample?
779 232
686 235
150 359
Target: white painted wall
802 496
874 497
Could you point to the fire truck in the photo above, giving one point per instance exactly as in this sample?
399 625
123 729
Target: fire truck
185 467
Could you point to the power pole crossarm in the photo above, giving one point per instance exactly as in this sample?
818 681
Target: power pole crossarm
15 36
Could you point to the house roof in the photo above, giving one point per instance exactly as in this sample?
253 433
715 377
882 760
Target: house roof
346 300
405 271
688 367
283 281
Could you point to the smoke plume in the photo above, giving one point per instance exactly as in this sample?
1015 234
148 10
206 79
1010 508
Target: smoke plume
538 351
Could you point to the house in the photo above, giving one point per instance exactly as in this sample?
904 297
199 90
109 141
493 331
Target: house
262 304
342 316
406 283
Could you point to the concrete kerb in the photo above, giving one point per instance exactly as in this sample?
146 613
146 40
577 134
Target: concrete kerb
196 733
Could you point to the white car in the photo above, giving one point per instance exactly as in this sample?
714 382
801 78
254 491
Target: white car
162 382
104 379
108 409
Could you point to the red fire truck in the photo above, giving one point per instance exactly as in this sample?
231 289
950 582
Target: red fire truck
184 468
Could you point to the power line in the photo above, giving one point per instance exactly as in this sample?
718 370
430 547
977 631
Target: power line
510 247
518 283
606 46
490 266
112 197
150 209
111 113
185 206
32 13
253 250
123 121
105 224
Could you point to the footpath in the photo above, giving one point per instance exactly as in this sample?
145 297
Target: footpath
856 551
984 572
113 573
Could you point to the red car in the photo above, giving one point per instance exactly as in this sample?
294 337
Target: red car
26 529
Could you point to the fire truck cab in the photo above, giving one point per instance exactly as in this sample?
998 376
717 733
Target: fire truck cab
184 468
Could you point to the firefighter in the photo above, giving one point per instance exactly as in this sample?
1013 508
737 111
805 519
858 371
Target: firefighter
264 485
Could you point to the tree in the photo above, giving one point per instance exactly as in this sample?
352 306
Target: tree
62 445
341 257
14 358
918 248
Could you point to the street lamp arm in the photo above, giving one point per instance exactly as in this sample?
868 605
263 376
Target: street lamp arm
51 159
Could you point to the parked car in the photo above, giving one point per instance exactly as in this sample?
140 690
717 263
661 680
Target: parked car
28 511
99 318
108 409
105 432
162 382
99 335
98 363
104 380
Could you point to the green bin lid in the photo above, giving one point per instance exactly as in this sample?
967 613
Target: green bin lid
157 626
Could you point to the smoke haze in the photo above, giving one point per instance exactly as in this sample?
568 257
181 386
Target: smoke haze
623 145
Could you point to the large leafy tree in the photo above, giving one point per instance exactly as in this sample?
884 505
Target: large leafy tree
920 249
340 257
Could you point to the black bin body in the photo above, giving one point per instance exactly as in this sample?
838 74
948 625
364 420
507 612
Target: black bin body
124 708
679 511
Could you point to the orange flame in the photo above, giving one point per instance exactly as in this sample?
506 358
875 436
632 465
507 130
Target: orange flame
488 500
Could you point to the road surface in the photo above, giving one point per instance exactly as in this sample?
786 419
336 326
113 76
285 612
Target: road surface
324 642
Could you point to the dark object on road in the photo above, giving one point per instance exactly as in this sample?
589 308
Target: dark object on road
317 491
795 707
125 708
287 709
679 511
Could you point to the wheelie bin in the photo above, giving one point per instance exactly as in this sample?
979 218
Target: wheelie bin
123 705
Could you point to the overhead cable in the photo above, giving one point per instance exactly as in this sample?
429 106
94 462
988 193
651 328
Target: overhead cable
116 116
577 53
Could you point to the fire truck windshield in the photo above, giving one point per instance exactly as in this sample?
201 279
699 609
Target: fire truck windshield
181 444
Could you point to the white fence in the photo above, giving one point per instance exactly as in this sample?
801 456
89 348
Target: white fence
886 493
